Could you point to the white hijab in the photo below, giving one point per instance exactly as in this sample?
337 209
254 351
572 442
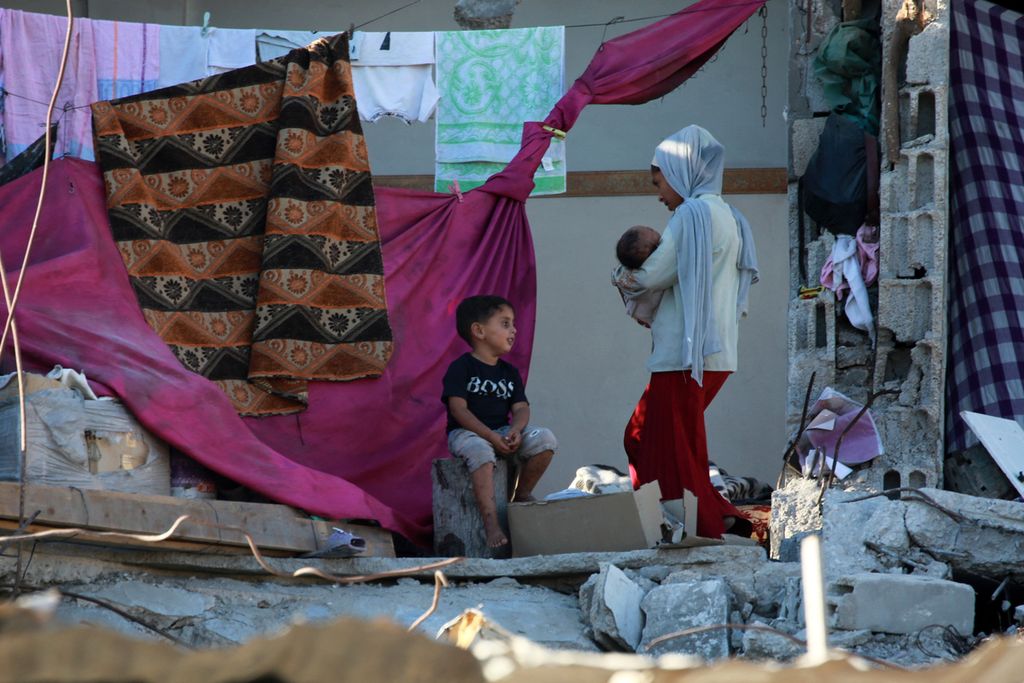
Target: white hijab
693 162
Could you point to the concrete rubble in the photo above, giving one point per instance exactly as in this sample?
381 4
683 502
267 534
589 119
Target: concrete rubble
586 602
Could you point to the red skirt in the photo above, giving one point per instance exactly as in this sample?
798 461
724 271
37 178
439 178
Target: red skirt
666 441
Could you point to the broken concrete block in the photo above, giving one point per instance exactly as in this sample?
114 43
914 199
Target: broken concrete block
803 139
739 577
160 598
990 542
794 514
680 606
928 55
896 603
640 580
771 586
764 645
906 308
614 616
655 573
847 526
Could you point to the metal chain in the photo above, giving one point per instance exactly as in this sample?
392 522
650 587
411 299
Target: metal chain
764 64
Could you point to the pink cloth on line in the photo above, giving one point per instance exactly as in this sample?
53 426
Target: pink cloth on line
30 48
127 57
363 449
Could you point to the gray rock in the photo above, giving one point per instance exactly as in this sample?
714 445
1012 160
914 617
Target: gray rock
794 511
894 603
615 617
655 573
680 606
989 543
736 635
848 525
771 586
739 578
759 644
161 599
639 579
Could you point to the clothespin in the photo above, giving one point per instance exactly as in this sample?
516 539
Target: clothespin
560 134
206 25
351 31
386 43
453 187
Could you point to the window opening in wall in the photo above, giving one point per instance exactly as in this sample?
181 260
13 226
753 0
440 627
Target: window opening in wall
917 479
891 480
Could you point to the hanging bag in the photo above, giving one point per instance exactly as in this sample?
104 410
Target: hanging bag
834 189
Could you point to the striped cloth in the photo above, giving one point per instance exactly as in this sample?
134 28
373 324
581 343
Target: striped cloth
986 306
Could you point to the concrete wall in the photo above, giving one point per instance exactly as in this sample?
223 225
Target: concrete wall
588 362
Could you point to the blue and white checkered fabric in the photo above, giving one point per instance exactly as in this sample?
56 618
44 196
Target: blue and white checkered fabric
986 307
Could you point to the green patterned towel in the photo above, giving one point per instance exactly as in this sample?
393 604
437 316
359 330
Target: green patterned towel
491 82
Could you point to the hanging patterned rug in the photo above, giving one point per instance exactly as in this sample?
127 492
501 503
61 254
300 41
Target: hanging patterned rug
243 207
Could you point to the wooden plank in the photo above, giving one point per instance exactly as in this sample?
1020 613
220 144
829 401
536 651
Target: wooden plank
623 183
1004 441
9 526
271 526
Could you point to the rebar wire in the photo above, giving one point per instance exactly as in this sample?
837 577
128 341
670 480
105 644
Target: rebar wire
799 432
439 580
9 299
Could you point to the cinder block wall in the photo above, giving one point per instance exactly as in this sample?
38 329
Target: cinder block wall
909 300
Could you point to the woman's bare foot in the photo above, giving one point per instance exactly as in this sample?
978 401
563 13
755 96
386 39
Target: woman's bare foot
495 536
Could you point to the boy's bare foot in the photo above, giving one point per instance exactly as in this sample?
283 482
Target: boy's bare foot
495 536
523 498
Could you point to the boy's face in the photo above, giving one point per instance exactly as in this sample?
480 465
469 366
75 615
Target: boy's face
666 195
498 333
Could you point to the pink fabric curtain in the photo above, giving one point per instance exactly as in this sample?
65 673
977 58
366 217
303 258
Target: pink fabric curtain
363 449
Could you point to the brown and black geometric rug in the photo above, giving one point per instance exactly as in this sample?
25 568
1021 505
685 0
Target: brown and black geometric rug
243 207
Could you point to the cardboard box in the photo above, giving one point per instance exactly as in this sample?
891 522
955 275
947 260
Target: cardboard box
684 510
607 523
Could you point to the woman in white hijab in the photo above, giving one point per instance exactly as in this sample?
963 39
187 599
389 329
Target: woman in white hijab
705 265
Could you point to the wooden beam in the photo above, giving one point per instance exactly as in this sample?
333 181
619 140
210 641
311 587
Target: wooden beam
93 538
276 527
623 183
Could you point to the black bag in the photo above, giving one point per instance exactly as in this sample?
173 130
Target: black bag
837 190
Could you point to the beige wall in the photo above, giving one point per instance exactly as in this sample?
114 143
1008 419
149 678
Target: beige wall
588 368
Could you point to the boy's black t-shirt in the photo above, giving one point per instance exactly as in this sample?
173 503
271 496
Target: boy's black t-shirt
489 390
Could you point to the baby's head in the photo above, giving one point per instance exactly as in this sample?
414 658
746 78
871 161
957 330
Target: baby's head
635 245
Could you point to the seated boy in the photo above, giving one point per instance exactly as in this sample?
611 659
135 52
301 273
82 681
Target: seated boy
633 248
481 391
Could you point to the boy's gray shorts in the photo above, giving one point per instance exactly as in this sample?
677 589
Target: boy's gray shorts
464 444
